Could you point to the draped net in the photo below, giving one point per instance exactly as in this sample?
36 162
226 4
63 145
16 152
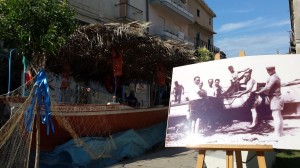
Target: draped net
18 146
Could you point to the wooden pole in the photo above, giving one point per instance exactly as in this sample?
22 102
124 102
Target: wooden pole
200 159
242 53
37 149
238 158
217 56
261 159
229 159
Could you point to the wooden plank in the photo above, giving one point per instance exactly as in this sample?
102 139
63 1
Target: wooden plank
229 159
231 147
238 158
261 159
200 159
229 153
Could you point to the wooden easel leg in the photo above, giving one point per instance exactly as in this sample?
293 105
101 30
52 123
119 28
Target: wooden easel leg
229 159
261 159
200 159
238 157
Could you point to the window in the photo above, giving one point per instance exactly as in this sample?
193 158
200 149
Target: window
197 40
197 36
198 12
210 21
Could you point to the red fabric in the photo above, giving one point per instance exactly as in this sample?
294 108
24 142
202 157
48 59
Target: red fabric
28 76
109 84
117 62
161 78
65 83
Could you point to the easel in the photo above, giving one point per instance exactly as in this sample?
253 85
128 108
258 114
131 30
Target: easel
260 149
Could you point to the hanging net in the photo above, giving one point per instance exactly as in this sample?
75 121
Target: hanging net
15 141
18 146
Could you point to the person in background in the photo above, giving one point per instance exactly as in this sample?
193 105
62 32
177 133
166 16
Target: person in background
193 115
177 91
250 88
272 89
235 81
219 88
202 93
161 83
132 100
211 91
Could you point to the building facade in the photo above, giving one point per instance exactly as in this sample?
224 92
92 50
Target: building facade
186 21
295 26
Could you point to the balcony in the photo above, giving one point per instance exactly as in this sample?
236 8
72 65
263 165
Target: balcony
176 6
211 48
127 12
171 33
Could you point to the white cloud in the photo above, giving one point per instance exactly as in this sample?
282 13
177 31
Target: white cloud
254 24
239 25
258 44
280 23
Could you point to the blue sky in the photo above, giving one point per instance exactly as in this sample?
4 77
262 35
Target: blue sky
258 27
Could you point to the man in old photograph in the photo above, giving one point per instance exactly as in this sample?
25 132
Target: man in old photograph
210 89
178 90
272 89
250 88
193 98
219 88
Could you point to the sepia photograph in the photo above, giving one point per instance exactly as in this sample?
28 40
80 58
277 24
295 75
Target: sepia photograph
253 100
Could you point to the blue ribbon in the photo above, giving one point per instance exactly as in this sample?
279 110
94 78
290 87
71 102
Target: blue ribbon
41 93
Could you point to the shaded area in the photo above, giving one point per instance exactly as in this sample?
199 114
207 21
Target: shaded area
124 145
89 52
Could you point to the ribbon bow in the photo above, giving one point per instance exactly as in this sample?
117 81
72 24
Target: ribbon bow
41 93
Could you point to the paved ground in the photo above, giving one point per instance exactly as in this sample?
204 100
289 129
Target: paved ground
163 158
186 158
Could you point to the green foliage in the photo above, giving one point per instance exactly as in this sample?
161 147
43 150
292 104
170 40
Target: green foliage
203 54
35 26
288 154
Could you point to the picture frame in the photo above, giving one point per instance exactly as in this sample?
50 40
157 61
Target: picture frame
228 118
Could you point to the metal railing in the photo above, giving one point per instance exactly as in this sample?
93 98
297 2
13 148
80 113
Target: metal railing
128 12
173 33
210 47
179 7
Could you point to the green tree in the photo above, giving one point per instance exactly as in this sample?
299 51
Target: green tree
203 54
36 27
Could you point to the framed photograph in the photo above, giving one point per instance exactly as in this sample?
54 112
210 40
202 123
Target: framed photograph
252 100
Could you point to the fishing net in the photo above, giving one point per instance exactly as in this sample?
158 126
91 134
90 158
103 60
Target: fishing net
15 141
18 146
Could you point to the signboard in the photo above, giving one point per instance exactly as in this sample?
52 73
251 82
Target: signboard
257 102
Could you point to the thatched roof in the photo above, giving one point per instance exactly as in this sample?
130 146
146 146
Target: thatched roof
89 52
